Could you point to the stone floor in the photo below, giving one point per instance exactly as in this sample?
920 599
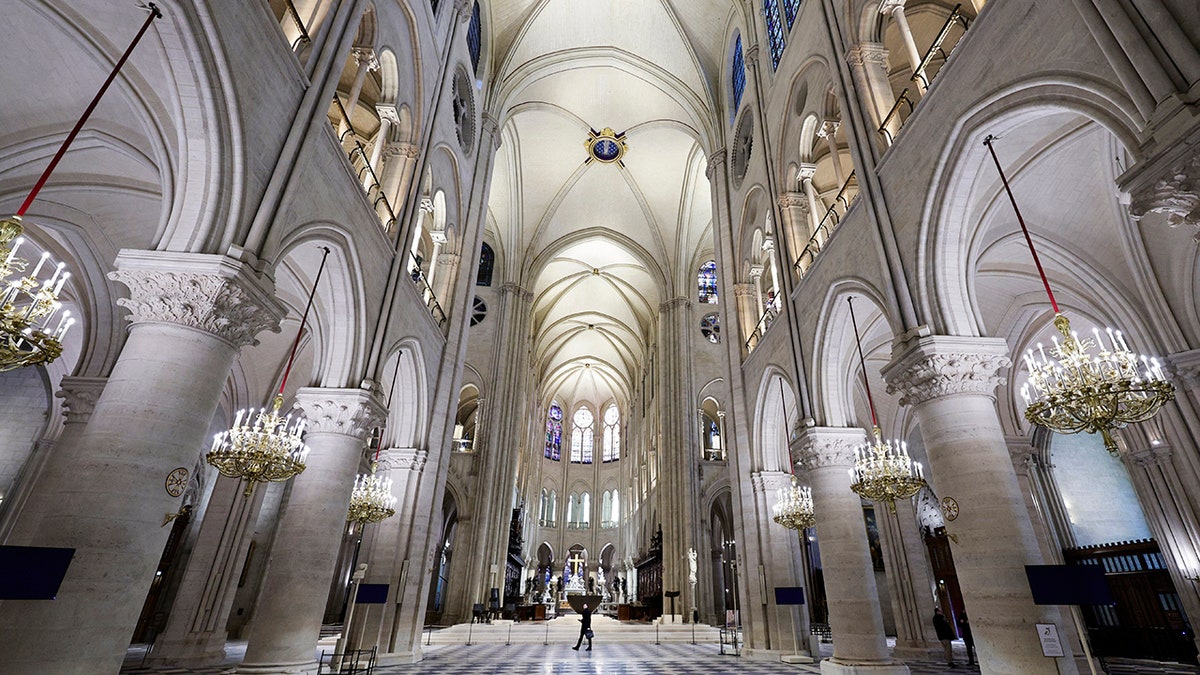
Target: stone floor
613 658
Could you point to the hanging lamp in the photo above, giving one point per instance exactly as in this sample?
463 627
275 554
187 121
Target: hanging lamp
372 500
883 471
270 449
1070 388
29 304
794 505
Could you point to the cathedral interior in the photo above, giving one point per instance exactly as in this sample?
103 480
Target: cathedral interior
385 325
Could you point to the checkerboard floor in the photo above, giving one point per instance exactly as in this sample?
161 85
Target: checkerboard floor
618 659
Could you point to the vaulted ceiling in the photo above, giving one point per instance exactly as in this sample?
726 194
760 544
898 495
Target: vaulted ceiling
603 245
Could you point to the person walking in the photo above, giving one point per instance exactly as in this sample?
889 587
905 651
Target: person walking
945 633
585 629
964 630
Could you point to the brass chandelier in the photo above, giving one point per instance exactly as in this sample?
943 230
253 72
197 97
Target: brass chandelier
794 509
883 471
1073 389
271 447
372 499
29 304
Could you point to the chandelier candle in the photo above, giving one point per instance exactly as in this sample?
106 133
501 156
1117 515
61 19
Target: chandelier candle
794 510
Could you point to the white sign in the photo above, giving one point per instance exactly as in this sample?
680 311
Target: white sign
1048 634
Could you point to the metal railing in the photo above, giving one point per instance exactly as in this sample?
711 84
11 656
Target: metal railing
547 522
713 454
350 662
891 124
829 222
361 164
955 17
608 524
427 296
304 37
579 525
764 323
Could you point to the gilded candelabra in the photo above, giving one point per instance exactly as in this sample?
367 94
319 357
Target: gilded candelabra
31 327
794 509
1073 390
883 471
269 449
372 499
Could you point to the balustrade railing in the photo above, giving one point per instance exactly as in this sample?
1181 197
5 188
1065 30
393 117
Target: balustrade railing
896 117
608 524
361 163
304 37
427 295
460 445
829 222
579 525
764 323
547 522
714 454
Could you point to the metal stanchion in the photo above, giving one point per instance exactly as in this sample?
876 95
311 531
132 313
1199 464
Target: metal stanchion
470 630
546 642
509 642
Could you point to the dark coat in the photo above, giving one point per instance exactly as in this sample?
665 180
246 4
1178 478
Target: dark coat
586 619
944 630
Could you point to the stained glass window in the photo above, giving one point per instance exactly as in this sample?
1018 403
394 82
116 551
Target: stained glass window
612 434
554 432
791 8
737 77
475 37
707 280
487 260
583 438
710 327
774 31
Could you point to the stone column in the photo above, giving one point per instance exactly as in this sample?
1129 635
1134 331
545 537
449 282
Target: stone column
768 247
399 164
794 207
365 58
195 633
760 303
786 630
859 645
438 237
387 117
287 620
896 9
910 583
828 131
950 382
748 311
79 396
868 63
816 208
191 313
448 267
424 212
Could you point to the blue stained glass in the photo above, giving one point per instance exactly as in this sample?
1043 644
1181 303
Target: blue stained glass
774 31
475 37
737 77
791 9
487 261
707 280
554 433
606 150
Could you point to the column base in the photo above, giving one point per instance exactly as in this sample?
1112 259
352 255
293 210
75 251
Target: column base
187 653
784 655
918 652
299 668
400 658
837 667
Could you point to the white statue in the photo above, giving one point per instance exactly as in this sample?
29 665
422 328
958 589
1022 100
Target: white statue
691 566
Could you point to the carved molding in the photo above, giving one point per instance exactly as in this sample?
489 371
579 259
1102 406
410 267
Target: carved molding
674 304
1177 196
79 395
770 481
717 159
1022 453
867 53
946 366
794 200
827 447
350 412
1184 367
828 128
1151 456
215 294
365 56
403 459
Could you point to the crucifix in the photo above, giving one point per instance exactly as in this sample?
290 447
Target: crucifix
576 565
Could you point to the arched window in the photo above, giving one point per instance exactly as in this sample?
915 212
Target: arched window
583 436
774 31
706 279
553 515
475 37
487 260
612 434
737 77
616 511
606 509
573 508
791 8
554 432
585 509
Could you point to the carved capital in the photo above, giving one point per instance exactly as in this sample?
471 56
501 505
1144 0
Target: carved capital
743 290
463 9
715 161
491 128
752 55
828 128
794 200
675 304
426 206
350 412
1184 368
365 57
770 481
1176 195
1021 452
891 6
387 111
806 172
438 237
79 395
756 272
212 293
867 54
1151 455
516 290
768 244
938 366
827 447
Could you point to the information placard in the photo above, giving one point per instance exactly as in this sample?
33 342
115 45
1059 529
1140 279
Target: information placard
1048 634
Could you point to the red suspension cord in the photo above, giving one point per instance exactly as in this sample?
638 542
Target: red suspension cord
303 321
863 362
